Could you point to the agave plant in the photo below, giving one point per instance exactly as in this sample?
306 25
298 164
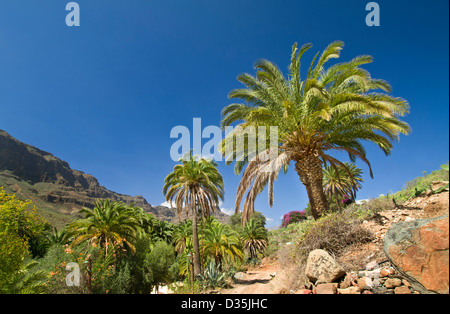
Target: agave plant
213 277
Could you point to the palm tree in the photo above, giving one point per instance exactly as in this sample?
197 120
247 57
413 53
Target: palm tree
57 237
26 280
254 237
341 180
108 224
221 241
163 231
196 181
182 235
333 109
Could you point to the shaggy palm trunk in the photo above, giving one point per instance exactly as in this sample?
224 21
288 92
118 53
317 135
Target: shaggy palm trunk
197 266
310 171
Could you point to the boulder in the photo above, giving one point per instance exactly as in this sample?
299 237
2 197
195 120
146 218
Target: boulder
419 250
239 275
393 283
321 267
402 290
326 288
365 283
349 290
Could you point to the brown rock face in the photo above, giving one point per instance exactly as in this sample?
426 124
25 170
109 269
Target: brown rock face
59 191
420 251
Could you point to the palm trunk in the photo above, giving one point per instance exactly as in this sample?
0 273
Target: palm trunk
310 171
197 265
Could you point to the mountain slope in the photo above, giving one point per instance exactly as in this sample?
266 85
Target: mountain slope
58 191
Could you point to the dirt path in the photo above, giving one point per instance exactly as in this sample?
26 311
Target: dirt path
258 281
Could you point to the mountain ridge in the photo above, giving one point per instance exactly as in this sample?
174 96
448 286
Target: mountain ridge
59 191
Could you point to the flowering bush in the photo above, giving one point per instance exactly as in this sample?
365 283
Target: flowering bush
347 200
293 217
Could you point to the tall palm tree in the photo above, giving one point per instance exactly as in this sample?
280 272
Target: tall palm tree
221 242
254 237
341 180
332 109
196 181
109 224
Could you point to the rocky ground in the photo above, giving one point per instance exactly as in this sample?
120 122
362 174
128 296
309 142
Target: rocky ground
376 274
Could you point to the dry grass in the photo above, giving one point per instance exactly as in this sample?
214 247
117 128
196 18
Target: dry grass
335 233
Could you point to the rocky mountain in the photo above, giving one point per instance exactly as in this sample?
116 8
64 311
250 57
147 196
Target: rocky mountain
58 191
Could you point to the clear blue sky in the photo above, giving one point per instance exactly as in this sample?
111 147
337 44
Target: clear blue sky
104 96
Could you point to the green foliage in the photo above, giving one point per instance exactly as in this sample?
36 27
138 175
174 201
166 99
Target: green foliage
342 181
163 231
182 235
285 236
334 108
25 281
97 271
213 277
254 238
236 220
20 229
113 226
196 186
159 261
187 287
420 184
221 243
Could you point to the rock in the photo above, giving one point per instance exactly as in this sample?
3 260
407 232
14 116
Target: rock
326 288
402 290
372 266
437 206
380 290
239 275
420 252
365 283
436 185
406 283
384 273
392 283
349 280
322 267
304 291
349 290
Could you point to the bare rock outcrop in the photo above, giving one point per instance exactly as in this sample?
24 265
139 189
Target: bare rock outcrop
419 250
